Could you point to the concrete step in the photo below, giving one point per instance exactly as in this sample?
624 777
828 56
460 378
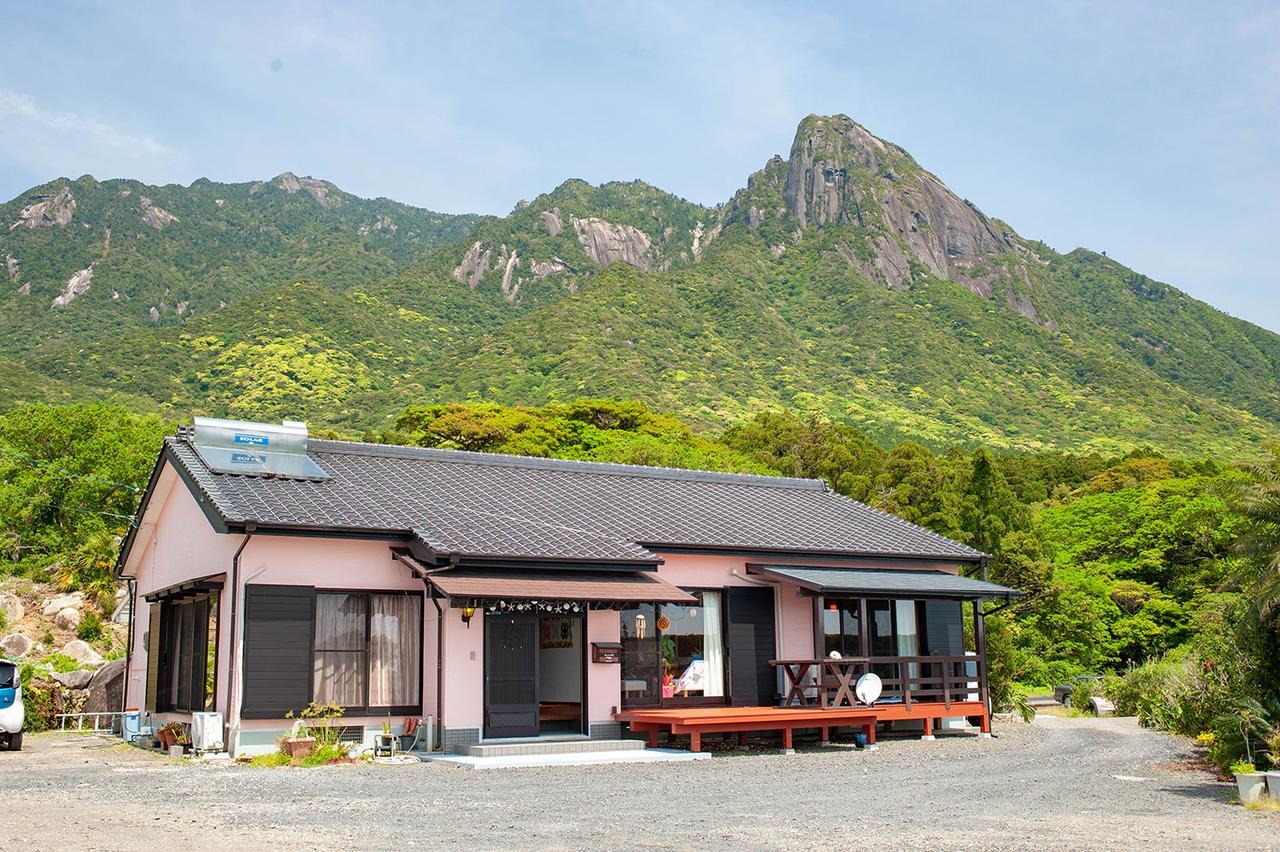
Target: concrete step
552 747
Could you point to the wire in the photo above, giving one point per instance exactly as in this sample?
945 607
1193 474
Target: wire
135 489
48 502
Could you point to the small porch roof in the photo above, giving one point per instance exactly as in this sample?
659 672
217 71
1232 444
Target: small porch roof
887 583
595 587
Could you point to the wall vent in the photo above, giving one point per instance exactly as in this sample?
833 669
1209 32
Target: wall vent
256 449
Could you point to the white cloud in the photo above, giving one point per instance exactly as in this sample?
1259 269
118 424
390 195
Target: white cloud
17 108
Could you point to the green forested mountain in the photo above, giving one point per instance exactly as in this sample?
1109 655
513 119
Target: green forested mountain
844 278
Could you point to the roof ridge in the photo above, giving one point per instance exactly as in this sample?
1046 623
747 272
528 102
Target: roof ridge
364 448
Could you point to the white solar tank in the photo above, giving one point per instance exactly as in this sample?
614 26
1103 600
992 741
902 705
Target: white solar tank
256 449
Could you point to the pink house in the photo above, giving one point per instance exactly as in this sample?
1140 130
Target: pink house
513 597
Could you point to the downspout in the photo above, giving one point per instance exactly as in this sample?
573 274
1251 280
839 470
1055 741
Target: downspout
231 725
128 645
982 565
439 672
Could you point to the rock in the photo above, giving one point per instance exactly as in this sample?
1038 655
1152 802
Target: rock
78 679
74 599
551 218
605 242
473 266
106 689
81 652
317 189
67 619
219 201
16 645
47 211
154 216
508 289
77 285
543 268
154 313
836 174
11 606
11 263
25 289
1102 706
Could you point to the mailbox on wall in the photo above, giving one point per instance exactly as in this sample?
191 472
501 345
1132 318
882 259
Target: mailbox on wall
606 652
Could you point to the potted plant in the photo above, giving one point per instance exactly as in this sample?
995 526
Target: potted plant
1250 783
1273 754
171 734
384 743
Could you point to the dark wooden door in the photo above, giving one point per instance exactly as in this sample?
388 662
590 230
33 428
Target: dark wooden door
752 644
511 675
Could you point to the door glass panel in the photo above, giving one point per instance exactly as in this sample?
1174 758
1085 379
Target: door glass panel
641 673
840 628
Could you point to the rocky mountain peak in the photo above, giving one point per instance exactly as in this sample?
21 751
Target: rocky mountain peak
839 173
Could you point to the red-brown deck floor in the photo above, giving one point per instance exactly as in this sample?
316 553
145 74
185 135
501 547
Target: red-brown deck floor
696 721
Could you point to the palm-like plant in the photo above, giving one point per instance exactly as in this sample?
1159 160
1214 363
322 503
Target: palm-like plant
1260 502
90 567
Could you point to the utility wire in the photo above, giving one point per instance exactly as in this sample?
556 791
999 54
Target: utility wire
33 460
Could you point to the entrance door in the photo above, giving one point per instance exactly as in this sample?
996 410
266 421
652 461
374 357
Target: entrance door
511 675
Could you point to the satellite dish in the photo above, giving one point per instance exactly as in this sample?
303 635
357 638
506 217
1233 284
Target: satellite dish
868 688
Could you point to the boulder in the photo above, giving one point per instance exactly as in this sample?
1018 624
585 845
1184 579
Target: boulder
11 606
106 689
68 618
16 645
78 679
53 605
1102 706
81 652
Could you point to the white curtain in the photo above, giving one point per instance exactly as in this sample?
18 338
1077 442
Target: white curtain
395 664
712 644
908 636
340 650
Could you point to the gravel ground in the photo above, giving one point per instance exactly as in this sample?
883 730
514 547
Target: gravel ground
1060 783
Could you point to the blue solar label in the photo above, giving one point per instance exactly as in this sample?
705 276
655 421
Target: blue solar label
247 458
256 440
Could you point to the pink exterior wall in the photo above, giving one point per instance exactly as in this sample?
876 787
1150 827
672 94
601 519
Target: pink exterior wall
463 670
604 680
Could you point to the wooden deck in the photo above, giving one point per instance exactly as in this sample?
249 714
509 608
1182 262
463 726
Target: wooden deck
696 721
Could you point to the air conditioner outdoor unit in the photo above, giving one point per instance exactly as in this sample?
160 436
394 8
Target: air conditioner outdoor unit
206 731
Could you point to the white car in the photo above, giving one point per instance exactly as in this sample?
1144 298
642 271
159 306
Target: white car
12 713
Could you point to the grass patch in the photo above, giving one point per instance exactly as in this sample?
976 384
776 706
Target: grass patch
1271 806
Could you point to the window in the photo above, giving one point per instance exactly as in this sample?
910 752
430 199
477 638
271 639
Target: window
692 648
840 629
673 651
367 650
184 652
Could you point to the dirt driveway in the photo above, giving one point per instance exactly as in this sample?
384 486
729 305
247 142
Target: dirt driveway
1061 783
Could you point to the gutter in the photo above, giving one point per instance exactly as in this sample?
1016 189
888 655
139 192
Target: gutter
128 642
235 633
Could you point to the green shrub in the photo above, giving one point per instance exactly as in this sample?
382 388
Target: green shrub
61 663
4 619
47 639
90 628
106 601
1082 693
1242 767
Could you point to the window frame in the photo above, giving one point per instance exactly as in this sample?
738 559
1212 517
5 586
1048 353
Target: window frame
170 697
366 709
693 700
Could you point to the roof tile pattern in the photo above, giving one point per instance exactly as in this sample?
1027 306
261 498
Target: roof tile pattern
478 504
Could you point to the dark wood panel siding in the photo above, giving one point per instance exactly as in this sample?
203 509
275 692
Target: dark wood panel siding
153 656
279 638
944 628
752 643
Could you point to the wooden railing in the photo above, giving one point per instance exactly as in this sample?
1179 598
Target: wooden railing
829 683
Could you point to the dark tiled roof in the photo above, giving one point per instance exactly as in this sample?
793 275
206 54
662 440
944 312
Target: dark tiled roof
480 504
864 581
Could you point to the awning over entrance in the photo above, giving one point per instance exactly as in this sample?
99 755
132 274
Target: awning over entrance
885 583
600 586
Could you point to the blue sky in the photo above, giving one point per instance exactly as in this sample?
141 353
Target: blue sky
1147 130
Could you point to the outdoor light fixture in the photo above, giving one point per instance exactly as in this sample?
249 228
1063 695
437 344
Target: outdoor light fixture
467 612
